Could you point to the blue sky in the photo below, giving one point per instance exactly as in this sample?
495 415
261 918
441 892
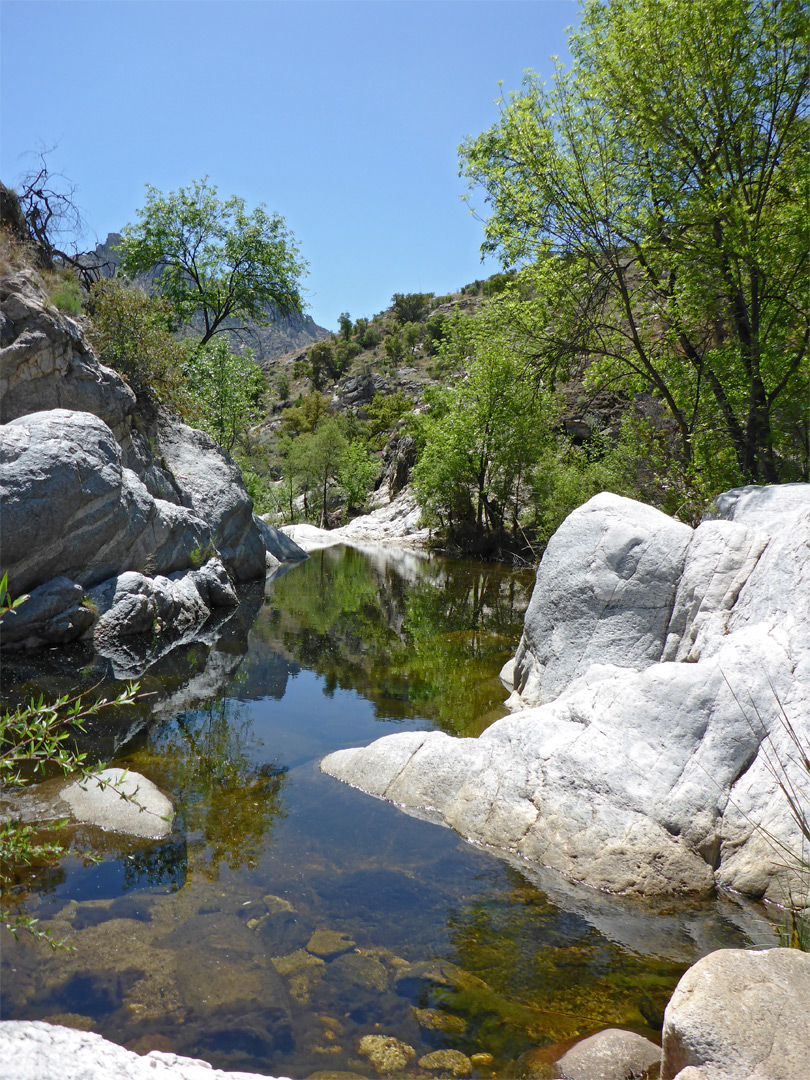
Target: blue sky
344 116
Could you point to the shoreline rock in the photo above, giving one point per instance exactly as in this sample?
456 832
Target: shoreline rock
651 679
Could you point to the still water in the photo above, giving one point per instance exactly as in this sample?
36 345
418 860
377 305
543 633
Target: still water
288 916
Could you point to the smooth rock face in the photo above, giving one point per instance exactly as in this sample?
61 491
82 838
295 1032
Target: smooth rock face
34 1050
53 614
211 486
642 771
120 801
70 509
604 594
612 1054
740 1015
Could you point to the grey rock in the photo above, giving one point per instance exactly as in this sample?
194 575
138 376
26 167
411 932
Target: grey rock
612 1054
211 485
53 614
120 801
70 509
278 544
34 1050
740 1015
604 594
651 770
49 365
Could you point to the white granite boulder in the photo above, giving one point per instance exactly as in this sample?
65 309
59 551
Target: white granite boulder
657 667
740 1015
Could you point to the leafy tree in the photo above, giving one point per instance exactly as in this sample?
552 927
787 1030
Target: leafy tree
345 325
481 437
659 191
411 336
316 459
383 413
130 332
304 418
213 258
228 388
410 307
394 349
356 473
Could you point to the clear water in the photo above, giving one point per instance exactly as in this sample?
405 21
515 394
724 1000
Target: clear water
288 916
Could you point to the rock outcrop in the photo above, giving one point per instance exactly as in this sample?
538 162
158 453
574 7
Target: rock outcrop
654 679
96 485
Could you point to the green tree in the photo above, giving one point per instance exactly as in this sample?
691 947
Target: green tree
228 388
356 473
659 190
213 258
482 437
410 307
316 459
345 325
130 331
394 349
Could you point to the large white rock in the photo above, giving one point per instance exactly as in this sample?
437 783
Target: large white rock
740 1015
655 672
34 1050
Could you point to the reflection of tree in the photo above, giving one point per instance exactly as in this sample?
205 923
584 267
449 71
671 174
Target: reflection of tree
427 641
227 799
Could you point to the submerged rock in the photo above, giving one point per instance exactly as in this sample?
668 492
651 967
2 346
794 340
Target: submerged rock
120 801
656 669
386 1054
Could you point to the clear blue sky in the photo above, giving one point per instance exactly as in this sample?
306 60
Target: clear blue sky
344 116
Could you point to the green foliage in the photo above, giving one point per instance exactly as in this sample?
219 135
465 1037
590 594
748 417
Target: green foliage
228 388
130 331
345 325
282 382
305 417
658 192
394 349
383 413
356 473
37 739
481 437
213 258
411 307
66 294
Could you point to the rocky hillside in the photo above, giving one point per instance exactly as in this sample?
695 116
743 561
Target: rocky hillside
117 518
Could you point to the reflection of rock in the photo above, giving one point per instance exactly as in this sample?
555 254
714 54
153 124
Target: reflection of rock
739 1014
33 1050
656 661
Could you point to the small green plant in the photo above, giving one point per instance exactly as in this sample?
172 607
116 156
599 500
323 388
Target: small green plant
67 296
36 739
200 555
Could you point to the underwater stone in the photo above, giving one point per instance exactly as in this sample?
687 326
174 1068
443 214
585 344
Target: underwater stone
386 1054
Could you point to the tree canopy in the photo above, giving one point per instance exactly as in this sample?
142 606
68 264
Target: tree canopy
213 258
656 197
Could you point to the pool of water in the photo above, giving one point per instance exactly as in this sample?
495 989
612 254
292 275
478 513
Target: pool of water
287 917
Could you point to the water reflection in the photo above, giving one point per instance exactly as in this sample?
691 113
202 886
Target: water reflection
287 915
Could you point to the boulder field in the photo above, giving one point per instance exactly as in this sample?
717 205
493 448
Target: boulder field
117 518
660 694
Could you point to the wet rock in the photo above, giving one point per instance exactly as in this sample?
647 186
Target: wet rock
359 971
482 1060
612 1055
303 972
120 801
386 1054
438 1020
53 614
426 973
329 943
447 1062
739 1014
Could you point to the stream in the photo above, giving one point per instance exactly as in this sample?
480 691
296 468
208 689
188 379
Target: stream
287 917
